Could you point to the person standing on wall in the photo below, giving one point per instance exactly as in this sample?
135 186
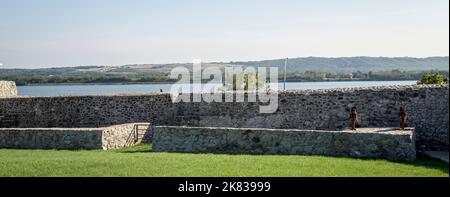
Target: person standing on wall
354 117
402 115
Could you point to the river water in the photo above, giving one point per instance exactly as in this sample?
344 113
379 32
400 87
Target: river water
59 90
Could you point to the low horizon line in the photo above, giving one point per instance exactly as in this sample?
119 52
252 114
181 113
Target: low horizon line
222 62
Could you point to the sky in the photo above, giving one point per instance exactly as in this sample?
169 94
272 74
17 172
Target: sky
54 33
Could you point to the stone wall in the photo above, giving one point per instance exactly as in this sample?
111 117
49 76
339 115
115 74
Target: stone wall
119 136
8 89
51 138
106 138
88 111
426 106
365 143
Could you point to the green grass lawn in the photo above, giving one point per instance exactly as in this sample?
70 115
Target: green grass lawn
140 161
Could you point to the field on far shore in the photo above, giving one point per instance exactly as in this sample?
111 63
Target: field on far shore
140 161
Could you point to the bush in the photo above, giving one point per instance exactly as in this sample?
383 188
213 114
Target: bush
433 78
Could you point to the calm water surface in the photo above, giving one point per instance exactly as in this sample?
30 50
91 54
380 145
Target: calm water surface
58 90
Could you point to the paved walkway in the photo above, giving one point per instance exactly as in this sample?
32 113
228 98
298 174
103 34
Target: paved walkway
442 155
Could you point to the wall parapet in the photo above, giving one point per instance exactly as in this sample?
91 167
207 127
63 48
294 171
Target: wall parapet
384 143
51 138
113 137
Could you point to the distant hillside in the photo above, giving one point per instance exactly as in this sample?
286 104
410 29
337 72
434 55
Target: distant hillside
321 64
353 64
299 69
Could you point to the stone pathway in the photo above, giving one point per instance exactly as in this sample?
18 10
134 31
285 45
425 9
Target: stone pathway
442 155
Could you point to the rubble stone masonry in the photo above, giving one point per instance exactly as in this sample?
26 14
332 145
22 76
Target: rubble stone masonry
426 107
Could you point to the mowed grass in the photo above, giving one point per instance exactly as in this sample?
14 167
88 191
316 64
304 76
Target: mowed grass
140 161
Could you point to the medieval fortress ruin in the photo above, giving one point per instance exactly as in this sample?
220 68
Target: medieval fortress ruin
312 122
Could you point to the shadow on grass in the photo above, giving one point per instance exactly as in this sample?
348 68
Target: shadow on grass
421 161
54 149
429 163
140 148
135 151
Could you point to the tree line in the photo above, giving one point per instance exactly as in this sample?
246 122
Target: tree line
162 77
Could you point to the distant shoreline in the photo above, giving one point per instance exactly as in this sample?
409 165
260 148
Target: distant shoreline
155 83
116 83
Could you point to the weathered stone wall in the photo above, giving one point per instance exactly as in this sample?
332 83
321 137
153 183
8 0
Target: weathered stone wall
88 111
106 138
119 136
8 89
426 106
51 138
371 143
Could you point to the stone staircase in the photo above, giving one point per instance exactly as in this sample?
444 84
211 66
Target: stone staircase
137 135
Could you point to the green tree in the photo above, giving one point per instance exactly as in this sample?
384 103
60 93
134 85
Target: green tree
251 81
433 78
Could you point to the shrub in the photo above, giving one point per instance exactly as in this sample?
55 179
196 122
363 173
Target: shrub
433 78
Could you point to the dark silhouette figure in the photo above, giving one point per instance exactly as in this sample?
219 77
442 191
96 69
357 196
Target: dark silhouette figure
160 90
402 115
354 118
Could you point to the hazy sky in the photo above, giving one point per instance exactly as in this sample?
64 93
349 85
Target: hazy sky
43 33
